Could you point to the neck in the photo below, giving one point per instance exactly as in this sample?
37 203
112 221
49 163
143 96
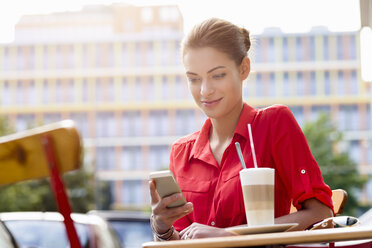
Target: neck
223 128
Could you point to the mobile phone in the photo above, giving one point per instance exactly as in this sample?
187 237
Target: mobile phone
167 185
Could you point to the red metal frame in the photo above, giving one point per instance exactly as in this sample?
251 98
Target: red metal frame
59 191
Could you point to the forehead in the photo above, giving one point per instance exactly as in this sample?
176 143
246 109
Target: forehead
205 58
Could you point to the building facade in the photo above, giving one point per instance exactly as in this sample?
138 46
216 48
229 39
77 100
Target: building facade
116 71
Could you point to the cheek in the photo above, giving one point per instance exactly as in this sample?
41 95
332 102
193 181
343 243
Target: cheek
194 89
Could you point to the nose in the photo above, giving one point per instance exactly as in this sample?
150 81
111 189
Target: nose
207 88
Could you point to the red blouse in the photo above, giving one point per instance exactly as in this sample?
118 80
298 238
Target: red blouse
215 191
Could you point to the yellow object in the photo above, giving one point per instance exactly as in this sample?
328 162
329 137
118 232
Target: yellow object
22 154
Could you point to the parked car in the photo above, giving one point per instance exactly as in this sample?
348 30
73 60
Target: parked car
6 238
133 228
47 230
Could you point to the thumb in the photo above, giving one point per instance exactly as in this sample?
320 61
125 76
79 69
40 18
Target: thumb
155 198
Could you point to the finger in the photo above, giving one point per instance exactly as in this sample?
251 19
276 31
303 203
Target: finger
155 198
182 233
174 213
165 201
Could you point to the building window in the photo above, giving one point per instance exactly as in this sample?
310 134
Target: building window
59 91
138 54
25 121
354 82
45 57
259 86
185 122
341 83
158 123
51 118
5 95
20 59
299 49
312 48
105 125
313 83
353 47
300 84
177 52
257 51
20 93
81 122
158 158
348 117
354 151
147 15
125 55
58 58
340 48
181 89
326 48
168 14
125 90
150 54
368 116
138 92
46 92
85 56
271 50
327 83
105 158
100 57
132 192
150 89
6 59
298 113
317 110
104 90
131 159
286 86
369 152
132 124
70 57
285 50
272 86
165 89
165 53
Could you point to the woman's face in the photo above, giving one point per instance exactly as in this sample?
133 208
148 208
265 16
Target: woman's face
215 81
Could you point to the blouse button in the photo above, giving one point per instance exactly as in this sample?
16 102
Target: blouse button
303 171
212 223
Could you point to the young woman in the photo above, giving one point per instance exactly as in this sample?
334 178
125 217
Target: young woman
206 164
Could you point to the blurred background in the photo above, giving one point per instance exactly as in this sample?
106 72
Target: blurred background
115 69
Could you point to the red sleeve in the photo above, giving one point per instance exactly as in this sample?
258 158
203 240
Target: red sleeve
295 163
183 222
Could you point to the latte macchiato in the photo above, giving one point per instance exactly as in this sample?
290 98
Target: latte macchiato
258 193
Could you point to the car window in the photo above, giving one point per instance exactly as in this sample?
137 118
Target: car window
5 238
44 234
132 234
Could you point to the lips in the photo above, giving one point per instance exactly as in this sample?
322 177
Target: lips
210 103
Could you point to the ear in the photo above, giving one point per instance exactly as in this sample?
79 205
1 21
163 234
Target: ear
245 68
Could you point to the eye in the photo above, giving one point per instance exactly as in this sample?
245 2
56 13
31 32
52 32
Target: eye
194 80
219 76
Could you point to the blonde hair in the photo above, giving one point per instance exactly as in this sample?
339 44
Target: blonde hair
220 35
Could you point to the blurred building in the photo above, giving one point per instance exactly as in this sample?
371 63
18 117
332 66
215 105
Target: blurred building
116 70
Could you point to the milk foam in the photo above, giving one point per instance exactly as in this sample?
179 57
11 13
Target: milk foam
257 176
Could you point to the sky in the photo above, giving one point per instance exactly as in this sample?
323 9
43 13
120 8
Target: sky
255 15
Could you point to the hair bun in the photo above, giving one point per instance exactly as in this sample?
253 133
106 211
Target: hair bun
246 38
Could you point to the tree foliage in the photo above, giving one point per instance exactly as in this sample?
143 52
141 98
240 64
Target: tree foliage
338 169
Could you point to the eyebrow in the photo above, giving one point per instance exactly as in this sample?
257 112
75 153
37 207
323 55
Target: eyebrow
211 70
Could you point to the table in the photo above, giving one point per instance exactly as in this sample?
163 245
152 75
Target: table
264 239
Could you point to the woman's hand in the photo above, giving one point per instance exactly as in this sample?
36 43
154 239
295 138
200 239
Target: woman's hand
165 217
196 231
